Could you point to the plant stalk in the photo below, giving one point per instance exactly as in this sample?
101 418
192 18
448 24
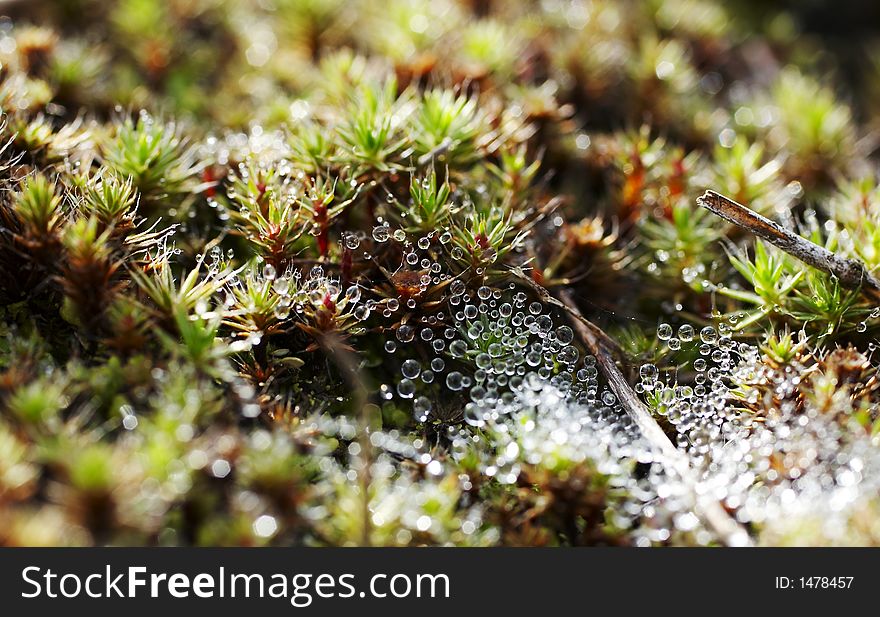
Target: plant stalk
852 273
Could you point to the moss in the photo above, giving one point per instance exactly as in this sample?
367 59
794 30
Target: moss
261 267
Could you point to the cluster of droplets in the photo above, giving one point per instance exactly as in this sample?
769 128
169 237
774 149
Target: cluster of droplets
506 341
761 448
698 408
493 340
383 233
540 426
517 375
258 145
319 291
419 271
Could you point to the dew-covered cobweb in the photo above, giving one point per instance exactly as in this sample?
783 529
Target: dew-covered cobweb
506 386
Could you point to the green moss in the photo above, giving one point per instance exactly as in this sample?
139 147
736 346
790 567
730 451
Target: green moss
243 247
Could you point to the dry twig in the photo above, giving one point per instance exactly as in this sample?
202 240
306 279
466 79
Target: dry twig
852 273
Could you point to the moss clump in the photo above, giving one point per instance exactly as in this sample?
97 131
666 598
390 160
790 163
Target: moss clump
268 273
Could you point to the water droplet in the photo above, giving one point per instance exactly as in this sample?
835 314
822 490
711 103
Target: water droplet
458 348
351 241
421 408
708 335
564 334
406 388
411 369
648 372
686 333
405 334
664 332
381 233
483 360
454 380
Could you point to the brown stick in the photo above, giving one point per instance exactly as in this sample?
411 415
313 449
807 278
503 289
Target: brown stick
710 511
852 273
